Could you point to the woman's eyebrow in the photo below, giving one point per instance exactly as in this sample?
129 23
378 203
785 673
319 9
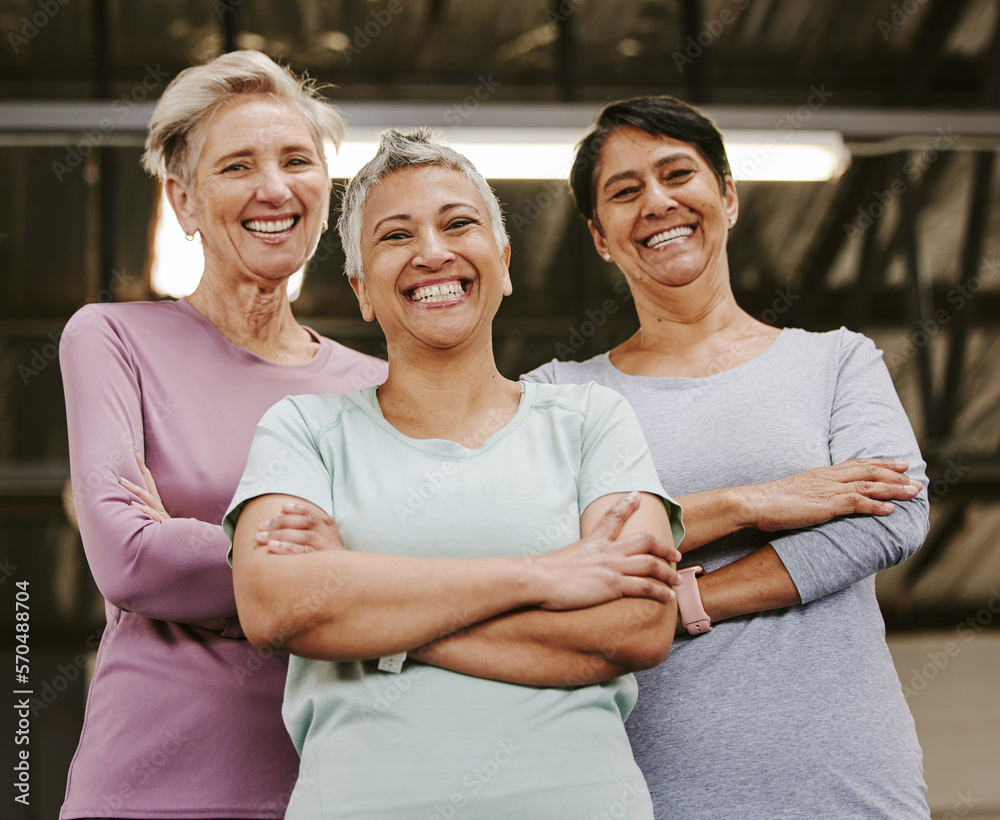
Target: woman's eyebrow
378 224
452 205
664 160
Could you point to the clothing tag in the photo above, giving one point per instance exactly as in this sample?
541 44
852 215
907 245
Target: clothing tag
392 663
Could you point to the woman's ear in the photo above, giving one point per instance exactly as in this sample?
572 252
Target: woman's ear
508 288
361 291
732 200
182 202
599 241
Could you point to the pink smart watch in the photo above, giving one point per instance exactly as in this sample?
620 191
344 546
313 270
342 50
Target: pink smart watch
689 606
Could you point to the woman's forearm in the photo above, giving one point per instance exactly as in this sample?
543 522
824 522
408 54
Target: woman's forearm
713 514
569 648
865 486
758 582
538 648
346 605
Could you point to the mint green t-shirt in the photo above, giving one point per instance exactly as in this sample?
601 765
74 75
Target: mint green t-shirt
427 743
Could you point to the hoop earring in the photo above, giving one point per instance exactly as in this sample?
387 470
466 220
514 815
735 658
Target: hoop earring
190 237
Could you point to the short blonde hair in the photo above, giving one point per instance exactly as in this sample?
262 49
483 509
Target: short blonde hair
176 135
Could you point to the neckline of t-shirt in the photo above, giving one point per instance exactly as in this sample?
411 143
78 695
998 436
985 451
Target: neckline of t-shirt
445 447
698 381
246 357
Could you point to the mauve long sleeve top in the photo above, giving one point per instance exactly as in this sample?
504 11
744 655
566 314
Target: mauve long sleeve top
181 721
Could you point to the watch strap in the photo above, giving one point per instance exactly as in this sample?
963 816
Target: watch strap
689 605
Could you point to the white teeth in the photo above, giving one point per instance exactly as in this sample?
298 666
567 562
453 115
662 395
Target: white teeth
667 236
260 226
438 293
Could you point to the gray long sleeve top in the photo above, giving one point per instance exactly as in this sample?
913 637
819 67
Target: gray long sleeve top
795 713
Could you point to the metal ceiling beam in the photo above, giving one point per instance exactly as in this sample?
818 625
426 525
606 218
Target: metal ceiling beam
920 300
936 27
853 191
566 60
691 14
977 224
969 129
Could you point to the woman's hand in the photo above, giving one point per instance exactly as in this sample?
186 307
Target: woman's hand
605 565
302 528
861 485
149 498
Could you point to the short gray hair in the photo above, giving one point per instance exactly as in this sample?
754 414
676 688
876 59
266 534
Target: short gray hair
176 136
405 149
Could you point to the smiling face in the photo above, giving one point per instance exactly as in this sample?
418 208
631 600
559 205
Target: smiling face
433 273
258 195
663 218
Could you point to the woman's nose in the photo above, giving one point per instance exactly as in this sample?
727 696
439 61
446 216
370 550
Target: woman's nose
433 252
273 188
657 200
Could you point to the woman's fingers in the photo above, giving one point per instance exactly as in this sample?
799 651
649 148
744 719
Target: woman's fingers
611 523
153 513
880 489
872 469
152 504
278 547
138 491
895 465
147 476
648 566
306 538
299 529
633 586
